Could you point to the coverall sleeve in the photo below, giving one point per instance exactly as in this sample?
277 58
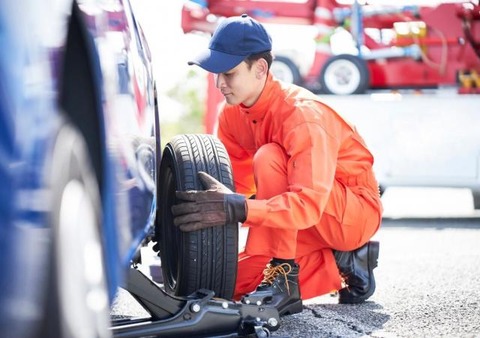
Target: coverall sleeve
313 150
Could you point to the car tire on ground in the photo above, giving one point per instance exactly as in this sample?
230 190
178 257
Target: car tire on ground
284 69
200 259
344 74
77 299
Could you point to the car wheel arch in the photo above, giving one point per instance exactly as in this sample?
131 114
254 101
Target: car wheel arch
83 108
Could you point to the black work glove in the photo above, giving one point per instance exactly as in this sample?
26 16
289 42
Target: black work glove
217 205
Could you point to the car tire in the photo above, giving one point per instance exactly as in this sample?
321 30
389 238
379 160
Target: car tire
284 69
344 74
381 190
77 300
203 259
476 199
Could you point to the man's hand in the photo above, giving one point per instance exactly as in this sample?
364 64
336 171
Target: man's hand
217 205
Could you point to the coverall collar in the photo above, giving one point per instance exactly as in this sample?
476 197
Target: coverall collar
256 112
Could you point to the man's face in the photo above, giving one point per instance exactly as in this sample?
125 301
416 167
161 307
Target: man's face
240 84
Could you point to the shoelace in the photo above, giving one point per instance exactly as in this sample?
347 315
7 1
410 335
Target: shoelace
343 281
271 272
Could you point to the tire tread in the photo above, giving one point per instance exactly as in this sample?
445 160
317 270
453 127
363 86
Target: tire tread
208 258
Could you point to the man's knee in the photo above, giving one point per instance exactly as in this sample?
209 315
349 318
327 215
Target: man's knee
270 154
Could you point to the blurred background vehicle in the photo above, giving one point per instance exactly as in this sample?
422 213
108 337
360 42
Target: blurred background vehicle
78 138
360 45
414 61
421 140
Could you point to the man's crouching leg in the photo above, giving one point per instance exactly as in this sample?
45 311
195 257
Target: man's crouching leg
356 268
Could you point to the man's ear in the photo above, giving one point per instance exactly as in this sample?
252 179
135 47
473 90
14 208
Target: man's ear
261 68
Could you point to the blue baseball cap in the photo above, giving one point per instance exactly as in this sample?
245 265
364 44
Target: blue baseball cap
235 39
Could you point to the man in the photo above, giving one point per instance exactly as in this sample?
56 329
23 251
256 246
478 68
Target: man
314 201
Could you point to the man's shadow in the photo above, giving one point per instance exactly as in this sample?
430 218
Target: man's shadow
334 320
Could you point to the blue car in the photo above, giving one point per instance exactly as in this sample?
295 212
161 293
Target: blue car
78 138
84 185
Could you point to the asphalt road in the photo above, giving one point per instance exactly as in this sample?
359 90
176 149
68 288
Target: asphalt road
427 286
428 275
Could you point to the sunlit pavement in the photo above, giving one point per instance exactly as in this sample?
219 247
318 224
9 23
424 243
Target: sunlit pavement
427 286
427 277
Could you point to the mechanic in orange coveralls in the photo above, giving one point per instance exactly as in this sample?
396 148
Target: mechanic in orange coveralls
315 202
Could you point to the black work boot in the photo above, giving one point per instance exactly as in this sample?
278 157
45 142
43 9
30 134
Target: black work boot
279 288
356 268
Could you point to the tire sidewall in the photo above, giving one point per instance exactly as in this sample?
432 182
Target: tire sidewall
78 305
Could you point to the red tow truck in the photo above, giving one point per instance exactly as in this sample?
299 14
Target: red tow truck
361 46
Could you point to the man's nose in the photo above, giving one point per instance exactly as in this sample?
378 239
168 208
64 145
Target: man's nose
218 80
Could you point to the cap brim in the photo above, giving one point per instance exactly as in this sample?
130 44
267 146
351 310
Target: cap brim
217 62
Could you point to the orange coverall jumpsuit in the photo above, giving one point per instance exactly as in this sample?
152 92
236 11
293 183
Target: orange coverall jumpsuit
315 189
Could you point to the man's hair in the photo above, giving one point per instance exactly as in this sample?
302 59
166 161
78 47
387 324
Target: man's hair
268 56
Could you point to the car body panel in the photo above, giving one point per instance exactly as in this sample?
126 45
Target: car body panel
427 139
33 36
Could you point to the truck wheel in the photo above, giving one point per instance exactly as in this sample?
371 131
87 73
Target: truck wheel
284 69
344 74
78 304
200 259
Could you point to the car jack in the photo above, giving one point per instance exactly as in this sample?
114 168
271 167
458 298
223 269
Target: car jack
197 315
